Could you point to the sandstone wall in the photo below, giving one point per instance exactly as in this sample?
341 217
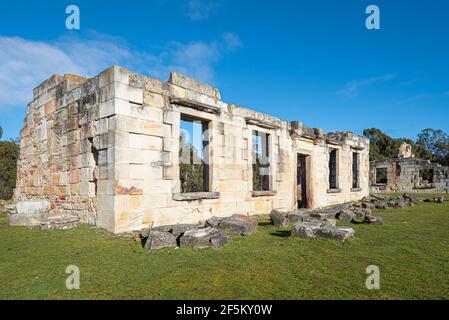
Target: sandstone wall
105 151
65 165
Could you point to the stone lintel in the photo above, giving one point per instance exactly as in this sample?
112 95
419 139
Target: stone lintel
190 196
261 123
195 105
334 142
264 193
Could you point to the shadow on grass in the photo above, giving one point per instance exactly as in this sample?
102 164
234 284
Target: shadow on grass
281 233
264 223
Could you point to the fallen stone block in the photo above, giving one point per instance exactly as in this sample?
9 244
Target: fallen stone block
380 205
307 229
176 229
379 197
334 233
438 199
330 213
219 239
332 221
239 224
214 222
416 200
159 239
298 217
373 219
318 215
367 205
322 230
361 212
204 238
346 215
397 203
279 219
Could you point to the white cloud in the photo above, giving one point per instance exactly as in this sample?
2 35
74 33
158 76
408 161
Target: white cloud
351 88
197 59
198 10
26 63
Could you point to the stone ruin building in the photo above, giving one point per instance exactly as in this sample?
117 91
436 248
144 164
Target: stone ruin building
111 151
405 173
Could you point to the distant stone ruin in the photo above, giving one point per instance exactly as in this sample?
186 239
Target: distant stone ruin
405 173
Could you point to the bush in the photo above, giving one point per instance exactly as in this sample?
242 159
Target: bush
9 153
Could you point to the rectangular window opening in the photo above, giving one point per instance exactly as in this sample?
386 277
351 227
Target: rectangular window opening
381 175
333 183
194 155
355 170
261 161
425 177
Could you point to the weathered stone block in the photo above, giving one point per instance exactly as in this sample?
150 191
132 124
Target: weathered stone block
204 238
239 224
158 240
279 219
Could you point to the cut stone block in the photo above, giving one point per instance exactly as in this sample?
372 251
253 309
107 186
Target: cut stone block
322 230
279 219
204 238
239 224
159 239
214 222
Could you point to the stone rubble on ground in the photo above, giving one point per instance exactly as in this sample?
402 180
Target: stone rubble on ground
193 236
320 223
160 239
321 230
204 238
438 199
235 224
347 212
373 219
382 201
176 229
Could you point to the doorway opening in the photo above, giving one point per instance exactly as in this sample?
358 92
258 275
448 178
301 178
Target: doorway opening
302 193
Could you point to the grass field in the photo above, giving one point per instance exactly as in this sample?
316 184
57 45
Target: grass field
411 249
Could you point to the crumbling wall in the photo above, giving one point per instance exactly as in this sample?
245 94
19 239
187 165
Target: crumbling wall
403 175
63 153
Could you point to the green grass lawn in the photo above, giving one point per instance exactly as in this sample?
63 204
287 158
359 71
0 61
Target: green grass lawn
411 249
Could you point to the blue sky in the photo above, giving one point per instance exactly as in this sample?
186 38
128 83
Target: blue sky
312 61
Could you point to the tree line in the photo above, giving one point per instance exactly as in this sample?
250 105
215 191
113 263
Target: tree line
430 144
9 153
